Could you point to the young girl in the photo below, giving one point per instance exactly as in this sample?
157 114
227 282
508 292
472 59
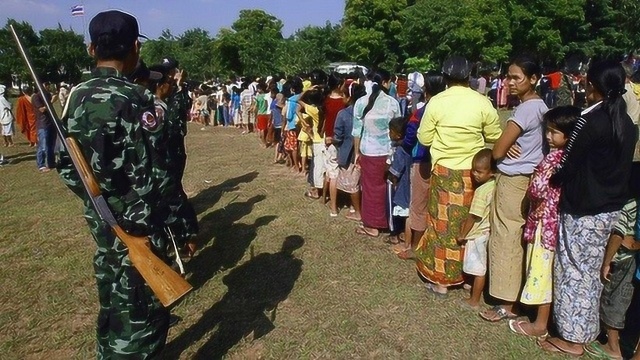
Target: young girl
311 102
541 228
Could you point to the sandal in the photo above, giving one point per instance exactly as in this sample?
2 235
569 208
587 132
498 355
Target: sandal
309 195
393 240
352 218
595 349
499 313
361 230
551 346
516 327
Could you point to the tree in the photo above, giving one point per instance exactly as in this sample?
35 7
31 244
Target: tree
297 56
257 34
10 61
194 51
435 29
66 55
325 41
369 31
153 51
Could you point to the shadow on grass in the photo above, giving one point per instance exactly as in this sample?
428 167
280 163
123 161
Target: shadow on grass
18 158
223 241
206 198
255 289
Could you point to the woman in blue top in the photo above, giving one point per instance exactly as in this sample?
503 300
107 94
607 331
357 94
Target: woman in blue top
348 175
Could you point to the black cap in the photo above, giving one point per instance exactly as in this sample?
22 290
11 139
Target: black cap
122 28
144 73
169 63
456 67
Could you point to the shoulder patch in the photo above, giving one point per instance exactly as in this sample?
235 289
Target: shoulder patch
150 121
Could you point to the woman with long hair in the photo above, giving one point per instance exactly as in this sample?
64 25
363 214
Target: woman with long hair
372 146
594 177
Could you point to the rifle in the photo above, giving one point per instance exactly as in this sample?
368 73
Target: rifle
167 285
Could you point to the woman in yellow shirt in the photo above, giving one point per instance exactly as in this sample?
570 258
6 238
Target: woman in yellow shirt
455 126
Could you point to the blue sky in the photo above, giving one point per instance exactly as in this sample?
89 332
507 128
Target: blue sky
176 15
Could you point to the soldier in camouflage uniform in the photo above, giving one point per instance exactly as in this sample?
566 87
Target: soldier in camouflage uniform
182 219
109 117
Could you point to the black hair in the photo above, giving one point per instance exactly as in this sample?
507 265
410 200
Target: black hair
378 78
563 118
315 97
485 156
608 79
528 65
107 47
318 77
357 91
434 83
334 82
398 125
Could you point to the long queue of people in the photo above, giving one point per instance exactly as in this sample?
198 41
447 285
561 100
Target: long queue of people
546 215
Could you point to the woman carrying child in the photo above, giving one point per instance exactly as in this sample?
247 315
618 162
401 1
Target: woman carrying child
594 176
541 228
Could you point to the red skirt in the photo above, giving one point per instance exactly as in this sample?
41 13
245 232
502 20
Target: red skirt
374 191
263 122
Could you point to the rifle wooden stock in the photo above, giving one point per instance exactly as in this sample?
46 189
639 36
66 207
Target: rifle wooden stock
163 281
166 284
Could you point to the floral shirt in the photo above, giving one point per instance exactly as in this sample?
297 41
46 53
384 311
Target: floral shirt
544 202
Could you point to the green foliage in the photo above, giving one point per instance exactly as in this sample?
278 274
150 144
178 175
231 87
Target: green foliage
57 54
370 31
400 35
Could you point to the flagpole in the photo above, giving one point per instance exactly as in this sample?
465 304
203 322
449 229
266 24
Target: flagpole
84 22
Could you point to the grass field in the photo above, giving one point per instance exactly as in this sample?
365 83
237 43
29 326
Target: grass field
338 296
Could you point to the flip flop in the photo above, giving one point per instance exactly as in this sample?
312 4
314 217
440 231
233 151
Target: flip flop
595 349
362 231
516 327
352 218
555 348
308 195
393 240
500 314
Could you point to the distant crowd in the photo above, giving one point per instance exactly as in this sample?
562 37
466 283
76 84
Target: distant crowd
543 219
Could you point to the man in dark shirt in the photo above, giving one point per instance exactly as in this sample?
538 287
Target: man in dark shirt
45 157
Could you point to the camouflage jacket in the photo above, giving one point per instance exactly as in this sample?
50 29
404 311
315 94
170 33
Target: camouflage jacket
178 107
106 116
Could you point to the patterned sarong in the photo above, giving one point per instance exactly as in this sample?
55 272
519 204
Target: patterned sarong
439 257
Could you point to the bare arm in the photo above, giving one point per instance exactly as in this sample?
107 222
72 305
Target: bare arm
615 240
506 140
467 225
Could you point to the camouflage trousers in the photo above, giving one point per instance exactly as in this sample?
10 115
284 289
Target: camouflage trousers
132 323
182 219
